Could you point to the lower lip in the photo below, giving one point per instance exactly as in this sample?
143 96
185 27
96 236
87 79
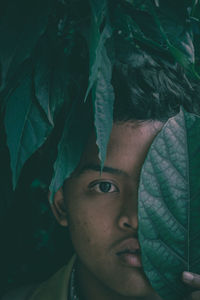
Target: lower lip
130 259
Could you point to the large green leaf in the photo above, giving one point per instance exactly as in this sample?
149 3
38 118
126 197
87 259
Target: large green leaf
98 9
50 78
169 206
70 148
103 99
22 23
100 76
97 41
26 127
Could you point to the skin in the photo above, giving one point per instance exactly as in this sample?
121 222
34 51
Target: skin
100 219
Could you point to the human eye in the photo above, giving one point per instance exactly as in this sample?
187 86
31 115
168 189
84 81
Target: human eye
103 187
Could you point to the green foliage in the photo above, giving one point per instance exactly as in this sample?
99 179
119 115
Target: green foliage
25 126
50 78
70 148
52 50
48 45
103 97
169 206
165 26
100 77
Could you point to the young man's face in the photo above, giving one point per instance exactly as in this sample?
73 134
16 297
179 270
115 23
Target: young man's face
102 213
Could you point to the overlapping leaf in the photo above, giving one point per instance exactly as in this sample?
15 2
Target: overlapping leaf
50 78
169 206
165 26
71 145
103 99
100 77
26 127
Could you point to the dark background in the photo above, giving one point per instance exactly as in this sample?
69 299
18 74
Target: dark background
33 245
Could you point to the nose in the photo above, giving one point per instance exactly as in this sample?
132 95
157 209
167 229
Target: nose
128 216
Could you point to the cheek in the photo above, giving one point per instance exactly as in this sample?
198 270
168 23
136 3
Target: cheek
89 232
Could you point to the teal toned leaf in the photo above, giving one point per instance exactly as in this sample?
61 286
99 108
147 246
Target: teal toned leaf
71 145
181 58
50 79
103 99
195 10
98 10
26 128
97 42
22 24
175 33
169 206
107 32
165 27
100 77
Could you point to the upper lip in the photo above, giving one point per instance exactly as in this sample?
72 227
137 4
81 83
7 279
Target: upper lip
130 245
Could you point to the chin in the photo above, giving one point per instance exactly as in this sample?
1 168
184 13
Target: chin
137 286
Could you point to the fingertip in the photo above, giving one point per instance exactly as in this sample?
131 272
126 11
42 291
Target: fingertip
187 277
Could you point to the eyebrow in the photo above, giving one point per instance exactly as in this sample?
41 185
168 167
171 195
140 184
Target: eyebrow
97 168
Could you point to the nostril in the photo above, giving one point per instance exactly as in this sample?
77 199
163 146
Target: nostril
127 225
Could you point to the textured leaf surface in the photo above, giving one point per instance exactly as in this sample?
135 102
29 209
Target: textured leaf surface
169 206
103 98
100 77
97 41
71 146
26 128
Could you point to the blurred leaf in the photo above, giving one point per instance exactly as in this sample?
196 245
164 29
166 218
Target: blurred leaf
196 32
98 11
22 24
169 206
180 57
70 148
175 10
179 36
50 78
165 27
194 9
26 127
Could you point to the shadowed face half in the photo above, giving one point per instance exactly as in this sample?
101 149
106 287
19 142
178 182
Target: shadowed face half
100 210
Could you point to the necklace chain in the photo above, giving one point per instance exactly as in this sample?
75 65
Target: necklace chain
73 286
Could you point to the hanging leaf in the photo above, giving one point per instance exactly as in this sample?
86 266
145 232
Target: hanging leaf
50 78
169 206
100 77
70 148
22 24
98 11
26 127
97 41
103 101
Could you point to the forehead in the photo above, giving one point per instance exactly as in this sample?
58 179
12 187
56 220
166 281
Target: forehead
127 148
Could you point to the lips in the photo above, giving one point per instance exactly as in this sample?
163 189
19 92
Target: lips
129 252
130 245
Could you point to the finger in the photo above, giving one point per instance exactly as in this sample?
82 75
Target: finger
192 279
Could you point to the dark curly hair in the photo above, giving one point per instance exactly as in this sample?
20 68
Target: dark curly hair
148 87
